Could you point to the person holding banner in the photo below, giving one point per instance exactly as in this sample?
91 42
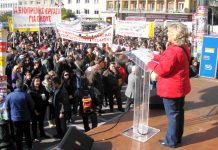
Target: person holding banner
173 83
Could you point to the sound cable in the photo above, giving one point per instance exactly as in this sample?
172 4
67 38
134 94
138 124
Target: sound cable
112 127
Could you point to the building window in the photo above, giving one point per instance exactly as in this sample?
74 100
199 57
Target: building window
86 11
45 1
160 7
25 3
86 1
110 5
38 2
52 1
170 6
77 1
96 12
69 1
180 6
31 2
151 6
96 1
77 11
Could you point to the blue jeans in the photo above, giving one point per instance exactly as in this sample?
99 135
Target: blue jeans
174 108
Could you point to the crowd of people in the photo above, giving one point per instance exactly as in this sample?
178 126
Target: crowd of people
56 79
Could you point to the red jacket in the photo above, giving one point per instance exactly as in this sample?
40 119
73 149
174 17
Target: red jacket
172 68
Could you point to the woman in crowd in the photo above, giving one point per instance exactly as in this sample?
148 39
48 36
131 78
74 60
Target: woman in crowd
67 82
173 83
47 83
40 97
17 73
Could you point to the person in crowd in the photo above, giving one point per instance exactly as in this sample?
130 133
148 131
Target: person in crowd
60 66
88 105
46 63
47 83
96 86
173 84
133 81
20 105
123 73
40 97
37 69
27 64
27 81
67 82
111 78
61 106
17 73
194 69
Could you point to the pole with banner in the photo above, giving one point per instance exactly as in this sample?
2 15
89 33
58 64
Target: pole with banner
201 30
4 114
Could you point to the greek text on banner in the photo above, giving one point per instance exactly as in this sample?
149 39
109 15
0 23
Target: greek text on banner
104 35
33 17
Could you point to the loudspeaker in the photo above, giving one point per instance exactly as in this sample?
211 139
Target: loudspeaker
75 140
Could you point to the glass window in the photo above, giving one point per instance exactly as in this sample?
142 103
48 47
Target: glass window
77 11
86 11
86 1
69 1
77 1
96 1
96 12
52 1
180 6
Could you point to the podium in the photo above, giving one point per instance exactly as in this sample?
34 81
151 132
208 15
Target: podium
140 130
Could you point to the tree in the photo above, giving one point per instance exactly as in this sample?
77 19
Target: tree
4 16
67 14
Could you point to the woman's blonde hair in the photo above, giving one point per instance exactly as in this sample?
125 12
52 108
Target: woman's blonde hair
14 70
180 32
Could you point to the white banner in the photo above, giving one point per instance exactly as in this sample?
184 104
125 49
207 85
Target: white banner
104 35
132 28
33 17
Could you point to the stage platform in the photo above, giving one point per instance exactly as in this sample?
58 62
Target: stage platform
201 123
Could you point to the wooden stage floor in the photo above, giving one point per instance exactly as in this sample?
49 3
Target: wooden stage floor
201 123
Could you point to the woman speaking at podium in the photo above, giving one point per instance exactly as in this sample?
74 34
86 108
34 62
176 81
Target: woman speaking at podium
173 84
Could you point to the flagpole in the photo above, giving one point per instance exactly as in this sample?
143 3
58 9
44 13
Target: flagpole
12 25
39 28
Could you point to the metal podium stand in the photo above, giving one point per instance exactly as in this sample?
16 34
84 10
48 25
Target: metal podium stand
140 130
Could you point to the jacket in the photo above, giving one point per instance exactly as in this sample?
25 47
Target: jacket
20 104
132 86
172 68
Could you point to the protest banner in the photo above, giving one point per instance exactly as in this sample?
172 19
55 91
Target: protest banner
34 17
10 25
3 48
104 35
132 28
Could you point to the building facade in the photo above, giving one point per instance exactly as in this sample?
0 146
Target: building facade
90 9
7 5
39 2
152 9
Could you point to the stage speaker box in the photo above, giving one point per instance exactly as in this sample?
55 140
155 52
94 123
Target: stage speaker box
75 140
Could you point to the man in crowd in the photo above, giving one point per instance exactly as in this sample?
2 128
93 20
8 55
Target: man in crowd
20 104
61 106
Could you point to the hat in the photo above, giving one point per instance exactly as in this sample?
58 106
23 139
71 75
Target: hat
62 59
